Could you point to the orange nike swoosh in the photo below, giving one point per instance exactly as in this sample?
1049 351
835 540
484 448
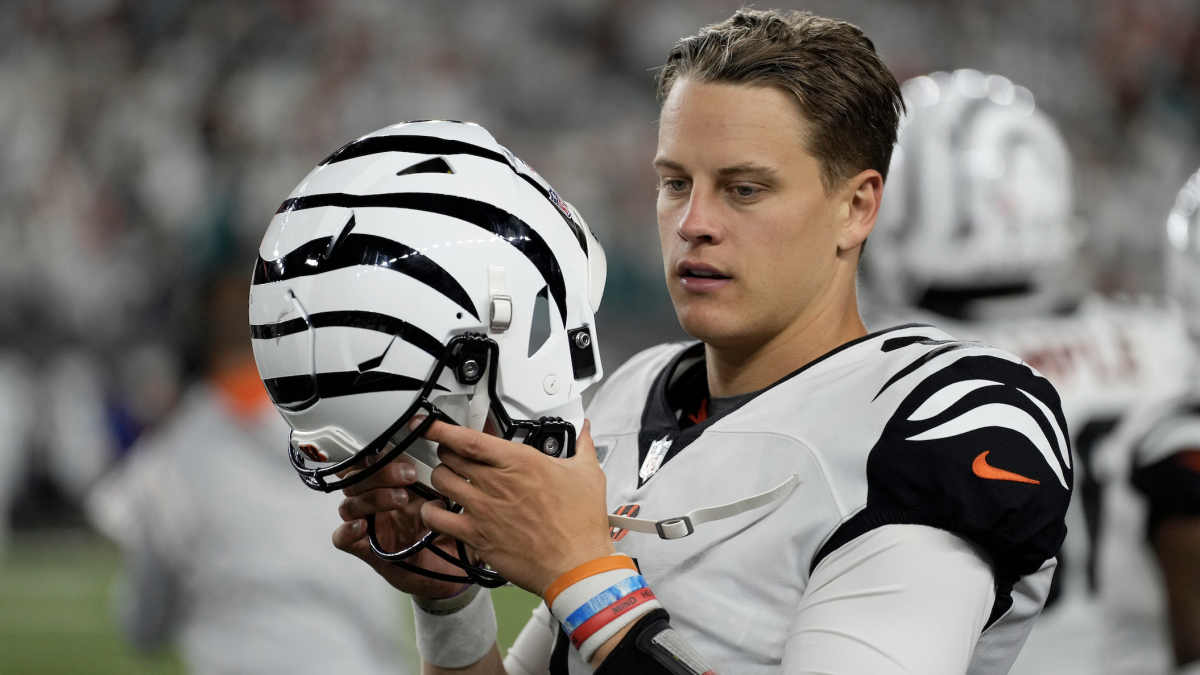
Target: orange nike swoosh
981 468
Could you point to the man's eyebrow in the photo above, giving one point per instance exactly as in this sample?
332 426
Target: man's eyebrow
747 169
668 164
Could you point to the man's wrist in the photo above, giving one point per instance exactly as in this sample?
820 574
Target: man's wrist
599 599
569 563
449 637
448 605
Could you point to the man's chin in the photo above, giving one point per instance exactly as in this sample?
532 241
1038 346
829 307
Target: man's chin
715 326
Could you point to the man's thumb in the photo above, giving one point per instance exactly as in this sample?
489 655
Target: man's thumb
585 449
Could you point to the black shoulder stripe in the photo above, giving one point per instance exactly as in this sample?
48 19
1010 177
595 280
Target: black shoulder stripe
353 319
363 249
481 214
892 344
926 358
418 145
293 389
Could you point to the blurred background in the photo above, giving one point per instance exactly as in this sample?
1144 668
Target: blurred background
145 145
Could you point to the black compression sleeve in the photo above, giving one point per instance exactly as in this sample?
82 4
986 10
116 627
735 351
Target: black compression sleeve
652 647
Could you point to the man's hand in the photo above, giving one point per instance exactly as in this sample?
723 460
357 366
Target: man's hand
397 525
531 517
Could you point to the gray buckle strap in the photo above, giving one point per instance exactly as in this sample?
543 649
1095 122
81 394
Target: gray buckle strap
682 526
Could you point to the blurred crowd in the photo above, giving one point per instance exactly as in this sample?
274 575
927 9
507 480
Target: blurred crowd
148 142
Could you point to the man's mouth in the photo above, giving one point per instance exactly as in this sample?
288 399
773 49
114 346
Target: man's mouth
702 278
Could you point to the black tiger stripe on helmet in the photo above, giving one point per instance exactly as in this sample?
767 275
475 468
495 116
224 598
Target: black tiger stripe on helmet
490 218
431 145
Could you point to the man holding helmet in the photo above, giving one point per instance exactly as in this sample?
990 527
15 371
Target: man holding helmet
821 499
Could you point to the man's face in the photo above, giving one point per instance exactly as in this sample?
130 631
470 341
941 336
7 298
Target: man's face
749 236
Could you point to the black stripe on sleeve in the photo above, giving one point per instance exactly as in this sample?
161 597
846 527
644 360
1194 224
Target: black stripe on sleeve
926 358
367 250
481 214
353 319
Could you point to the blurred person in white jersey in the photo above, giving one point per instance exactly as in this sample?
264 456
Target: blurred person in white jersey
225 553
1149 547
856 503
979 237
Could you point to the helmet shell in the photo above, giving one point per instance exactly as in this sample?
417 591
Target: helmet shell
979 193
393 245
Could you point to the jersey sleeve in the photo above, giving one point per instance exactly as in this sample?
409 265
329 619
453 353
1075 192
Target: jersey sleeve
978 448
899 599
530 653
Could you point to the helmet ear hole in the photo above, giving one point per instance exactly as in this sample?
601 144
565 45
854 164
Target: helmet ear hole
539 330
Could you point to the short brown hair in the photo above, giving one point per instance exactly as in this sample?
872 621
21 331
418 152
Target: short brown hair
845 92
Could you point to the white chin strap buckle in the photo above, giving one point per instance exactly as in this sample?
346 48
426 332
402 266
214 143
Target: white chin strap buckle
500 314
678 528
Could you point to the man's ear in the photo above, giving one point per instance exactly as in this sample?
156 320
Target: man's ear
863 194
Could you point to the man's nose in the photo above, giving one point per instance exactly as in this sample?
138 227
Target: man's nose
701 224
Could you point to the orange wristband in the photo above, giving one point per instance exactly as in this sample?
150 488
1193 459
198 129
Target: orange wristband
608 563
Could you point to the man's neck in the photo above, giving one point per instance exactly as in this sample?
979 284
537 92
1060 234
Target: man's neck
741 369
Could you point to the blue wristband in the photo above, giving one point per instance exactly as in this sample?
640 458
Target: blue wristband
605 598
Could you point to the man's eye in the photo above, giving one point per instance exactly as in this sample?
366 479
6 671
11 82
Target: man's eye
675 185
746 191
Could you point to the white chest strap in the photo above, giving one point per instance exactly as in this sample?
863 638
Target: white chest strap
677 528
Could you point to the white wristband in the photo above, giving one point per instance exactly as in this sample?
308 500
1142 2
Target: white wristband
459 638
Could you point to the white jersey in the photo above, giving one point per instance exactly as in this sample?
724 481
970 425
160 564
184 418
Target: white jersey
212 505
1149 468
1103 359
905 426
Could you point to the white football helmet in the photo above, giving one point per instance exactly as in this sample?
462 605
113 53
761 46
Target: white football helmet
424 270
1183 253
978 194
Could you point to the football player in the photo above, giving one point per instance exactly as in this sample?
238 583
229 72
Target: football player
977 238
201 546
790 493
1150 529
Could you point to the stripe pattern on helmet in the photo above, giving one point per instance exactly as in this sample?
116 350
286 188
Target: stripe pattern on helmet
417 145
353 319
432 145
367 250
493 219
295 392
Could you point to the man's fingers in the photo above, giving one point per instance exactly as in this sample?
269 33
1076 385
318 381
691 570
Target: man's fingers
375 501
396 474
463 466
438 519
348 534
474 445
454 486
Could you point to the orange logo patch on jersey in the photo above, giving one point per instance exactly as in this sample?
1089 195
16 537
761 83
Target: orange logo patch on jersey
631 510
981 468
